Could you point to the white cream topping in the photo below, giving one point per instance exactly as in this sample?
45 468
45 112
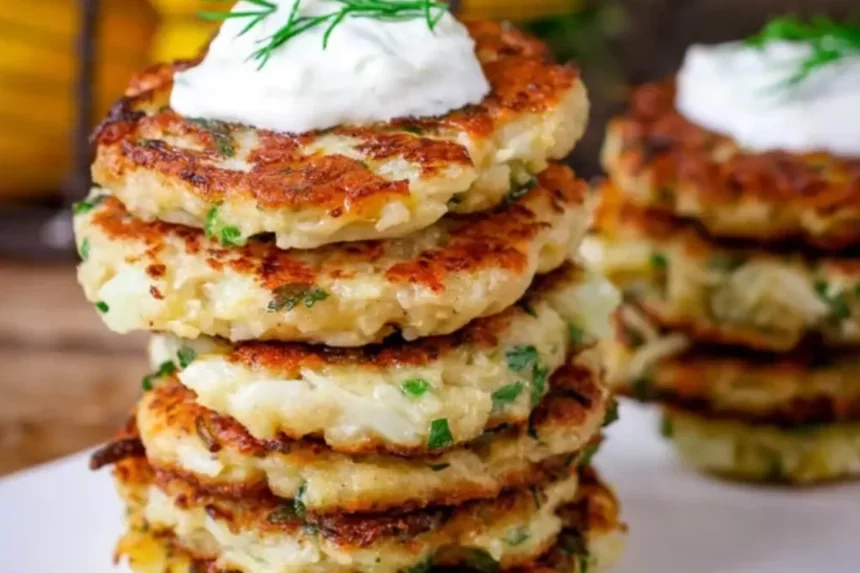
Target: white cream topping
744 92
371 70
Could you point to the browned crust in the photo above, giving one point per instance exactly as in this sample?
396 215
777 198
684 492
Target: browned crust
287 358
682 381
494 240
125 444
575 393
522 79
682 158
595 511
267 513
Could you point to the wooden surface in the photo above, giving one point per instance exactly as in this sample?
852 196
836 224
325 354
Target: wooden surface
68 383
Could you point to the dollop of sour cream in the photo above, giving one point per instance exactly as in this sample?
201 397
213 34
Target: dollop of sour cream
371 70
742 91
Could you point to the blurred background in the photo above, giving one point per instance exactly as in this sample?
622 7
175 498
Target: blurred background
68 382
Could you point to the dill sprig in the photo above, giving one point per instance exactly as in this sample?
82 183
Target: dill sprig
386 10
830 41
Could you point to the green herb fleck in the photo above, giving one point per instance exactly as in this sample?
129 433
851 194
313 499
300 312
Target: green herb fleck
809 429
284 514
518 537
102 306
232 237
527 309
611 413
829 41
536 496
725 262
641 389
667 426
440 435
213 228
521 358
149 143
289 296
413 129
576 335
82 207
439 467
838 305
186 356
298 501
415 387
538 384
516 194
166 368
455 200
775 471
220 133
572 542
584 563
424 567
84 249
658 262
588 453
480 560
506 394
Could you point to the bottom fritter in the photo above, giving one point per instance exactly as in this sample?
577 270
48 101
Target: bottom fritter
590 540
803 454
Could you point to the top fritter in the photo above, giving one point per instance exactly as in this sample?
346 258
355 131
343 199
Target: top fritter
661 160
347 183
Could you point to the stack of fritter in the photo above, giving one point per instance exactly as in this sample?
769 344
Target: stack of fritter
742 295
372 349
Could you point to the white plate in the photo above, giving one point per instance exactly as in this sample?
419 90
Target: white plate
63 519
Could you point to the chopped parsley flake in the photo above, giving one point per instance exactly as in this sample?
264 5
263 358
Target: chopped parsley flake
227 236
102 306
440 435
611 413
516 194
588 453
641 388
149 143
521 358
165 369
538 384
658 262
220 133
517 537
415 387
82 207
506 394
667 427
438 467
839 309
536 496
84 249
284 514
480 560
186 356
298 501
414 130
289 296
575 334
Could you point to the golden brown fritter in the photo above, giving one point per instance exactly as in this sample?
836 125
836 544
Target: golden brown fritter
805 388
347 183
165 277
219 455
662 161
492 371
725 293
763 452
591 541
275 534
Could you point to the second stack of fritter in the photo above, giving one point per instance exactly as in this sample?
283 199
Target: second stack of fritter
742 306
428 393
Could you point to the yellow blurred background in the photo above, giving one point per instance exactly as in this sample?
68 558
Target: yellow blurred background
38 63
